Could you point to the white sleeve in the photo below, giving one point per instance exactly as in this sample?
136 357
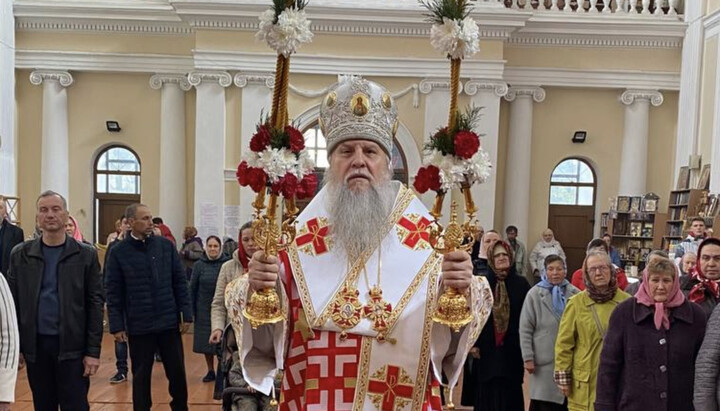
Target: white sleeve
261 350
449 349
9 343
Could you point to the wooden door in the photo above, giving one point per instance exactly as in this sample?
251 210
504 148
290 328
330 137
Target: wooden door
573 228
110 207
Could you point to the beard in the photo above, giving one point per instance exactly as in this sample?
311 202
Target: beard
357 217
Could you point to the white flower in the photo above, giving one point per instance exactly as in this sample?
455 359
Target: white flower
455 171
456 38
305 164
444 36
291 30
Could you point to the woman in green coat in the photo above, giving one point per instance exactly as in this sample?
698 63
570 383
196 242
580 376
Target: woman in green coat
202 289
582 328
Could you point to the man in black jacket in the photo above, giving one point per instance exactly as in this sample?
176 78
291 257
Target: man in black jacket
10 236
148 306
57 287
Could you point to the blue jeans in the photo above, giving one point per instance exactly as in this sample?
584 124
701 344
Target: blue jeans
121 356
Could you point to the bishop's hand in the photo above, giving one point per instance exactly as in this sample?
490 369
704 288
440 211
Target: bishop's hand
457 271
263 271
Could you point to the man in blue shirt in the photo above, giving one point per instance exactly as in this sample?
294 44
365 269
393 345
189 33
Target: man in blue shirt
57 288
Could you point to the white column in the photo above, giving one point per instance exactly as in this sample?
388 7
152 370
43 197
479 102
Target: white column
437 106
517 177
256 100
715 153
209 196
8 151
686 142
633 160
487 94
173 177
55 174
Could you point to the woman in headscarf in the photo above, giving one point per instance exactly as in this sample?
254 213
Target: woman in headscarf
191 250
496 377
480 261
648 357
582 328
202 291
72 229
547 245
539 322
598 244
702 285
230 271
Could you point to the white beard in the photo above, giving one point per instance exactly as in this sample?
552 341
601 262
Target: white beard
357 218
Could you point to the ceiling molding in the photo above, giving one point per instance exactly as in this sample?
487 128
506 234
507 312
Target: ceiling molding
332 65
102 62
712 24
622 79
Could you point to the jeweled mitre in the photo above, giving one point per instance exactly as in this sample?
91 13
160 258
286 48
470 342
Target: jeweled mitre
356 108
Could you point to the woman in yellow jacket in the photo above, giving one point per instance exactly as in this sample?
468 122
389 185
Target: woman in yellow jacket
581 332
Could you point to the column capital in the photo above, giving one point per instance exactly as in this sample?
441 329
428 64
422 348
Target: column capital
427 85
500 88
241 80
631 95
537 93
157 81
222 78
63 77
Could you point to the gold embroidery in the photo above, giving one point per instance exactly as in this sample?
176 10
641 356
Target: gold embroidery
390 388
302 325
363 374
424 362
346 309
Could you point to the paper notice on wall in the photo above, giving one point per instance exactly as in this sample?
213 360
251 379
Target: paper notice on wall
232 221
209 220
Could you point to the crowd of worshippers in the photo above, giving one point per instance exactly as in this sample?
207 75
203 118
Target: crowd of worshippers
589 340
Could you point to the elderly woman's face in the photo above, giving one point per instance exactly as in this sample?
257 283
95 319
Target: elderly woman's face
598 271
501 259
488 239
660 286
555 272
547 235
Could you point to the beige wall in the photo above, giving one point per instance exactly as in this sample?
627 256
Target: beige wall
713 6
601 114
595 58
105 43
29 137
707 98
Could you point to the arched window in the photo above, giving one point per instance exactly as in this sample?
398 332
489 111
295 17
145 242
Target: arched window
117 171
572 183
317 148
117 185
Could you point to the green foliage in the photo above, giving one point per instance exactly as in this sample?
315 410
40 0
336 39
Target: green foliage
450 9
444 140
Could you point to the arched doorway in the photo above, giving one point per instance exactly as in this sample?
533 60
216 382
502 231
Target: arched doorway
573 189
117 185
316 145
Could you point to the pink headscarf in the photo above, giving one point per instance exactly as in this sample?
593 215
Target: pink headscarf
675 299
76 233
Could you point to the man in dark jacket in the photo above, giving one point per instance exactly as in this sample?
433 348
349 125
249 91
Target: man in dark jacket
58 294
10 236
148 306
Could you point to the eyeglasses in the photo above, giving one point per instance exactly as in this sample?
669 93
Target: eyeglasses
602 269
502 255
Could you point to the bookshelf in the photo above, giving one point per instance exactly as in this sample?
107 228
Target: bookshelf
683 205
635 235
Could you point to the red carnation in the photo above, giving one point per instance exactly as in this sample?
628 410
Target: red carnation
287 186
242 174
307 186
467 144
261 139
297 140
428 178
256 179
